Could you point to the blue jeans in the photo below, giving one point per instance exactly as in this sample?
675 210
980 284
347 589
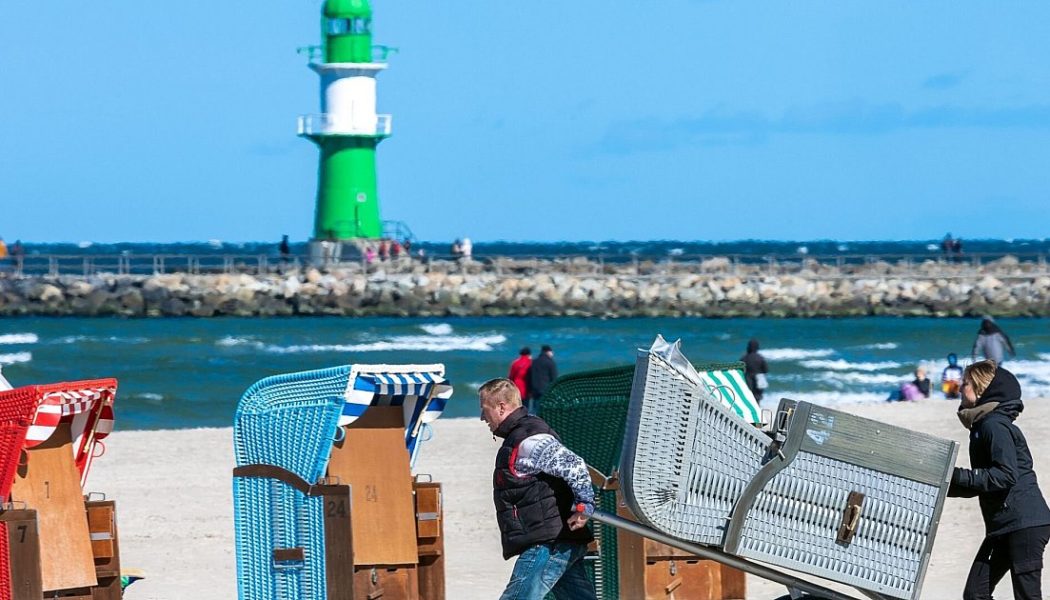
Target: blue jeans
553 567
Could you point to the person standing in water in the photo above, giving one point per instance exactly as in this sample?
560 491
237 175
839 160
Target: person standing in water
992 342
755 370
1002 476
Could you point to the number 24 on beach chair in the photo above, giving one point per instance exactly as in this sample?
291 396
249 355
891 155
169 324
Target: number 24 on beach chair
298 438
77 540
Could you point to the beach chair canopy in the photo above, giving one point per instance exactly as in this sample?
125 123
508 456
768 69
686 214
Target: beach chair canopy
421 390
87 406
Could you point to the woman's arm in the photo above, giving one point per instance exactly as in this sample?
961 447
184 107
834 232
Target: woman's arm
1000 476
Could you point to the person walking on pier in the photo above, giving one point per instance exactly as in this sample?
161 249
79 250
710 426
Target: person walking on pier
1002 476
992 342
543 497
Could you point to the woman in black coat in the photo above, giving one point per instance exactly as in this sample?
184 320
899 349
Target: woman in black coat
1001 475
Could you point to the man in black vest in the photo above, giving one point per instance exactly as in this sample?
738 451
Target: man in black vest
543 498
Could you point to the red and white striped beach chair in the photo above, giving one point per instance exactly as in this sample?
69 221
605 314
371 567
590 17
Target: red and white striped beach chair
88 408
52 482
14 422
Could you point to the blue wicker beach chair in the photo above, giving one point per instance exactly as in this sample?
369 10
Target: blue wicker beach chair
284 430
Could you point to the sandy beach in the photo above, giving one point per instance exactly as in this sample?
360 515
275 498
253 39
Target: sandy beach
175 513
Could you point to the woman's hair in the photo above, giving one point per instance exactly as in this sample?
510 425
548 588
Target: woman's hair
501 388
979 375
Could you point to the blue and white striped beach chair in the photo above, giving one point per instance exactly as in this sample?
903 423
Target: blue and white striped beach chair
284 429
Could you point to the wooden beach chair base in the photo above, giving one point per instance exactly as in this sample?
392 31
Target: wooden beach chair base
655 571
20 566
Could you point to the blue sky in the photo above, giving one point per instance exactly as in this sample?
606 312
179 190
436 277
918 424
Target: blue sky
709 120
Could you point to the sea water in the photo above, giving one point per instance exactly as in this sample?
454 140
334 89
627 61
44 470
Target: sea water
179 373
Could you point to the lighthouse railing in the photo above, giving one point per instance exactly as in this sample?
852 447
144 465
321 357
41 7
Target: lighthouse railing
329 124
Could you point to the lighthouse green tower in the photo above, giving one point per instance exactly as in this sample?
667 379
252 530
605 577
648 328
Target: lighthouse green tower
348 129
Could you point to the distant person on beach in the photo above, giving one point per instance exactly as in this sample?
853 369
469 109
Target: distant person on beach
992 342
542 373
519 373
3 250
543 497
951 377
456 250
956 250
466 248
916 389
1001 475
755 370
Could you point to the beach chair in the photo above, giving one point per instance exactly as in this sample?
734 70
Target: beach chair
823 493
309 446
77 538
19 543
589 411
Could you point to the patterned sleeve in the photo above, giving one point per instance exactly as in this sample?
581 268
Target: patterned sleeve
543 453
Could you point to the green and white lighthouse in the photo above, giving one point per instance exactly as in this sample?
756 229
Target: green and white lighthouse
348 129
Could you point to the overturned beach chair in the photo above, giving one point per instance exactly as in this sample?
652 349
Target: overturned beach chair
589 411
824 493
77 538
325 504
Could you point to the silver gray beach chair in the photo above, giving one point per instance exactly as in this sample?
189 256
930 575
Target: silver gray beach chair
824 492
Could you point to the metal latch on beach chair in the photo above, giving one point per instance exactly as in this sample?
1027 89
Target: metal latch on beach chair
850 518
289 558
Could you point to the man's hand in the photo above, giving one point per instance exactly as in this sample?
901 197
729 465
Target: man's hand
577 520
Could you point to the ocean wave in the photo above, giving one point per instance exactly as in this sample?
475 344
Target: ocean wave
845 365
795 353
230 340
98 339
19 338
1044 355
151 397
880 346
832 398
1030 371
437 328
15 357
423 343
869 379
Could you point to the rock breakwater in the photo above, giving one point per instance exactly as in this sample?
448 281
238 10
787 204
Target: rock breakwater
552 288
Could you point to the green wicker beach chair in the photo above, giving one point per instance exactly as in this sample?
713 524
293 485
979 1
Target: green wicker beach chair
589 412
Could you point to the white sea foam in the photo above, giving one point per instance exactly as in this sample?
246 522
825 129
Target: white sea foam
19 338
151 397
15 357
437 328
880 346
867 379
795 353
845 365
423 343
833 398
96 339
1044 355
237 341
